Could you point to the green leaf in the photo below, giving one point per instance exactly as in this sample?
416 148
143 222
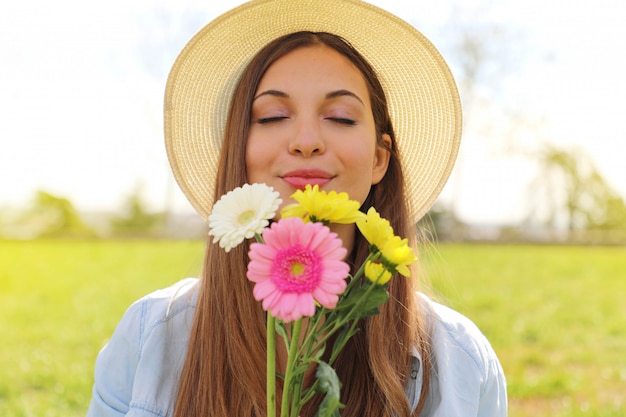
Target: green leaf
342 310
300 370
282 331
328 383
377 297
368 304
318 354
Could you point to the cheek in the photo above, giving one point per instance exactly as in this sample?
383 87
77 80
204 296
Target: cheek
252 149
361 167
257 157
360 156
251 169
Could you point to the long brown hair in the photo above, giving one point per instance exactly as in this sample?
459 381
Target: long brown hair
224 372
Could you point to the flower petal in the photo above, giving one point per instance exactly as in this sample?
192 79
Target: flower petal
241 213
298 264
318 205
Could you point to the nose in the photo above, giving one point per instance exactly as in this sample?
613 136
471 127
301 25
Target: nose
307 139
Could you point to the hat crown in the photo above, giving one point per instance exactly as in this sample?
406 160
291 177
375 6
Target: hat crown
422 97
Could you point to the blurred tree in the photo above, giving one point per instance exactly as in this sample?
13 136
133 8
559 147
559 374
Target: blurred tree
441 224
482 52
611 217
570 191
137 221
55 217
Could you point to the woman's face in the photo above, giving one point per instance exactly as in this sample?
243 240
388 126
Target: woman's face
312 123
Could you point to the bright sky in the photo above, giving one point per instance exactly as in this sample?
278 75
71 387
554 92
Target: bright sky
81 90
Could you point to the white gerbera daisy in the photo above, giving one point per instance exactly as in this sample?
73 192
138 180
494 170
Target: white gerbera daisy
242 213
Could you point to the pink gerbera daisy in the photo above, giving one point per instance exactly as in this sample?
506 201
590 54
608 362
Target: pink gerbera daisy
298 264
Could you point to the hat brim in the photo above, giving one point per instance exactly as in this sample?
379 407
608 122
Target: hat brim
421 93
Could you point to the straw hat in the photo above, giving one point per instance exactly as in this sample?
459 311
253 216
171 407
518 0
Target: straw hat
421 93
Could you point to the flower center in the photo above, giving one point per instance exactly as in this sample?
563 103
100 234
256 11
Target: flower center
245 217
296 269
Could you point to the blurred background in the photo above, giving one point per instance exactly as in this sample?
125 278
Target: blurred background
528 239
81 91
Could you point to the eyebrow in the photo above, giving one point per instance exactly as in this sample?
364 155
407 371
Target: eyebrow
342 93
274 93
331 95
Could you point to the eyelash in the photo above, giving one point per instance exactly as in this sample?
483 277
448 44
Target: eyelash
266 120
340 120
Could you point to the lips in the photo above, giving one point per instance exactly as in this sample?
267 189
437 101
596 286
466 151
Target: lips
301 178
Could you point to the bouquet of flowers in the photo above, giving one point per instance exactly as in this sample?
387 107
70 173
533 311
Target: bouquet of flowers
303 282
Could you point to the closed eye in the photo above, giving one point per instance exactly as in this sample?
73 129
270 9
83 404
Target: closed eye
265 120
343 121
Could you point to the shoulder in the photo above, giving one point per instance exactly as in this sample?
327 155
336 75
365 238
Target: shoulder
467 376
452 330
145 354
155 309
165 304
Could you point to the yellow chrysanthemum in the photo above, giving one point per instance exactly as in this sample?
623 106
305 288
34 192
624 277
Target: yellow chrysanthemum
377 273
320 206
398 253
376 230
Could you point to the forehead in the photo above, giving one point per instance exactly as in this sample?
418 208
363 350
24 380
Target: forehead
317 64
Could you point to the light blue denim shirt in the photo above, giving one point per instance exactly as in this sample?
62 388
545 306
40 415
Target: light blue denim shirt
137 372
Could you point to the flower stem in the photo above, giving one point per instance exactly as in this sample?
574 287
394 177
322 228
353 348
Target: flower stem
271 365
337 324
291 358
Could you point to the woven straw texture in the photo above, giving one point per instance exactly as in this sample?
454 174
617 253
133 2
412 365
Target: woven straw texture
422 95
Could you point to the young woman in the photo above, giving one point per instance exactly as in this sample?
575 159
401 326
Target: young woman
379 120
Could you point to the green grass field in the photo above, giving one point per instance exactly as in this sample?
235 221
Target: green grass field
555 315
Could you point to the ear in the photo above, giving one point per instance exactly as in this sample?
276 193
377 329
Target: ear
381 160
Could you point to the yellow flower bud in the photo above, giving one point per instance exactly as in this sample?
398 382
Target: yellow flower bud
377 273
